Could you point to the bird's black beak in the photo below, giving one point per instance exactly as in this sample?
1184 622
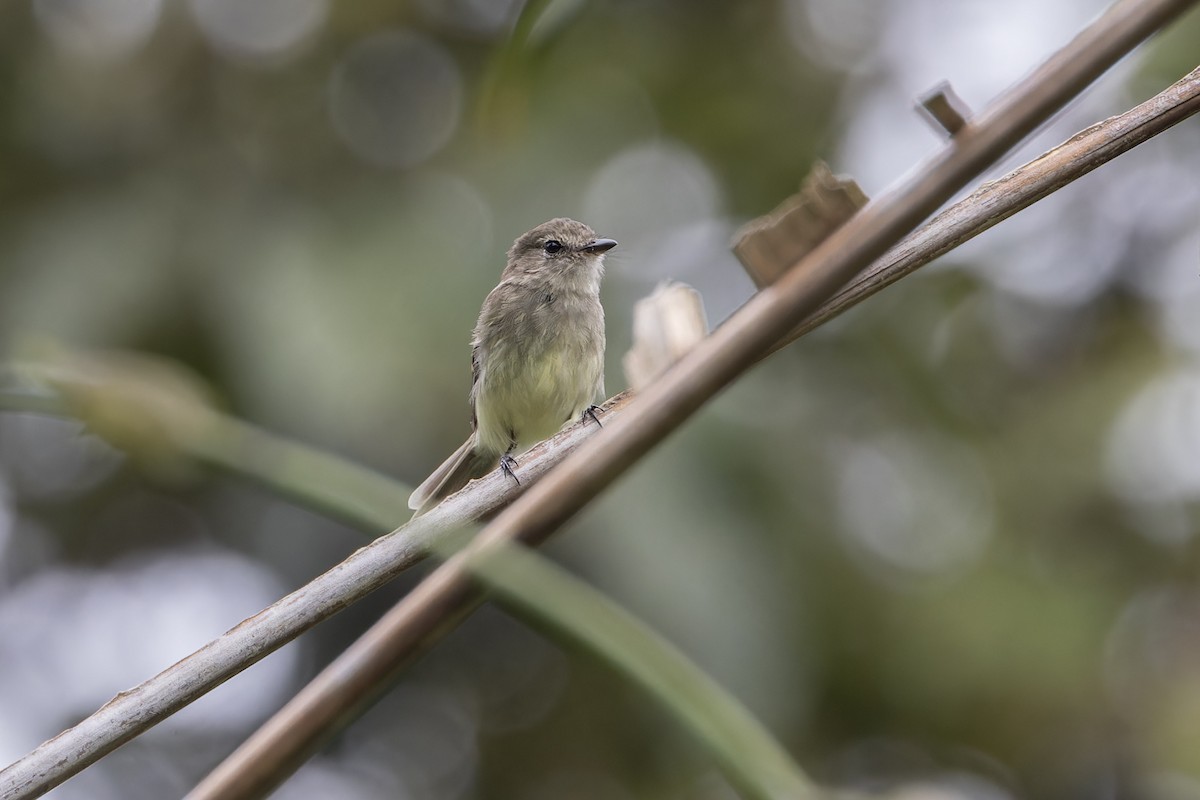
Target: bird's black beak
599 245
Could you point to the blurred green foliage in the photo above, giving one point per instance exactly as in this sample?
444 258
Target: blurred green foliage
949 539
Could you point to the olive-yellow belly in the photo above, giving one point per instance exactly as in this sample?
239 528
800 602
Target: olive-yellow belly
525 397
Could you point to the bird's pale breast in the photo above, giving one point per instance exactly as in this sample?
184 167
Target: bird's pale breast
544 370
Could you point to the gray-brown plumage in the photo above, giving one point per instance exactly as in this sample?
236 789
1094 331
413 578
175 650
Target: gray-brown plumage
537 354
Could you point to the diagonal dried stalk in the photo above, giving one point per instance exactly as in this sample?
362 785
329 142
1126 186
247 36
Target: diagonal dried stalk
366 668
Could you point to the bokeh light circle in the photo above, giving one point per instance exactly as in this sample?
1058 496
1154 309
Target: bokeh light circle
396 99
1154 449
259 29
913 506
98 28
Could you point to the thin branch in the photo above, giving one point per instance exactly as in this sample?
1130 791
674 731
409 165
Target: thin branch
364 670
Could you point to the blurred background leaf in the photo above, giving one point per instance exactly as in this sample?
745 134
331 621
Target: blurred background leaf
947 541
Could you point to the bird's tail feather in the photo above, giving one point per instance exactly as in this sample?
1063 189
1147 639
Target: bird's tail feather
463 465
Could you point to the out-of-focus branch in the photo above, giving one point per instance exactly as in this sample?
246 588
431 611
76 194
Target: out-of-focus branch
163 416
319 480
538 589
365 669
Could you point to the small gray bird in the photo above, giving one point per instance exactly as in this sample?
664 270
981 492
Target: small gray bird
537 354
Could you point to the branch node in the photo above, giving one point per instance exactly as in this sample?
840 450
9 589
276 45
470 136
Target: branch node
769 245
665 326
943 109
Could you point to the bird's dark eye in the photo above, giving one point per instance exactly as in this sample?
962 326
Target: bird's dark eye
552 246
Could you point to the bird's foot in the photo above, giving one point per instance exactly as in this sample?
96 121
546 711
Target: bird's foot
590 413
507 465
